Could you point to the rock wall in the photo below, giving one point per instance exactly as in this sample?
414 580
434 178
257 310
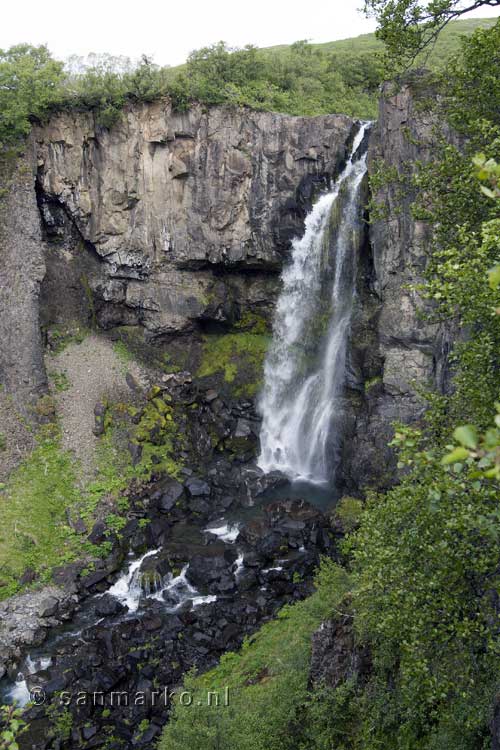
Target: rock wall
22 372
178 223
187 216
394 351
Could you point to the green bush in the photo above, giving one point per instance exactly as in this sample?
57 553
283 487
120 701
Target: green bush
30 85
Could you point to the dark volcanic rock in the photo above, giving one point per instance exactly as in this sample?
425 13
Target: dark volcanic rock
335 656
108 605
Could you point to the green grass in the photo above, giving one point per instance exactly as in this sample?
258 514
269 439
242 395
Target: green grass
34 531
303 79
34 501
266 681
447 43
122 351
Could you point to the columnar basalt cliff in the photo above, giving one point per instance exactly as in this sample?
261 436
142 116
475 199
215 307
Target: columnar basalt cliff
179 223
395 352
187 215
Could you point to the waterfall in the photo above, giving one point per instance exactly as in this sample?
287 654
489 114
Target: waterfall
304 371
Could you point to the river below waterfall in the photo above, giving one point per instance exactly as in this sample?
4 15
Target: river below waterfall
211 580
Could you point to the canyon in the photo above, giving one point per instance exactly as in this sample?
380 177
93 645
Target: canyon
169 233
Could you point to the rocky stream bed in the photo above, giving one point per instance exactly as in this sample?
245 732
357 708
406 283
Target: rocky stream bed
201 563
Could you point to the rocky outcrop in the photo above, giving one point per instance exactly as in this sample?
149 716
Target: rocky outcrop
394 351
335 656
184 215
177 224
22 373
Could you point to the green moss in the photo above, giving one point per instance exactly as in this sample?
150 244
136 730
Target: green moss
239 357
122 351
252 321
45 406
60 338
34 502
372 382
60 381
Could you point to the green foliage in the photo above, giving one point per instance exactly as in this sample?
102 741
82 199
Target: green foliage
38 496
11 726
301 79
348 511
60 381
425 569
30 85
35 532
425 557
478 454
266 681
409 28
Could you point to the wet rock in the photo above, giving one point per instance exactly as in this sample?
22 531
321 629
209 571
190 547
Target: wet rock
197 487
211 395
49 607
336 657
91 579
135 450
203 570
28 576
76 522
171 494
108 606
89 731
98 533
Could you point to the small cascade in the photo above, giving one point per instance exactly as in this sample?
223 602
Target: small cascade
19 692
227 532
128 589
135 585
239 565
304 372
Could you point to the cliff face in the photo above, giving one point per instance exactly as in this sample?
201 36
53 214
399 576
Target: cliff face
22 372
183 216
394 352
178 223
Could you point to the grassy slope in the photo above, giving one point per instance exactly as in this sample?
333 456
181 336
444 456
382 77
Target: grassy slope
368 44
266 680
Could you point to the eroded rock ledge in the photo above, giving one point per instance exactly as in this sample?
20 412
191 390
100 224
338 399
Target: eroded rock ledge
165 203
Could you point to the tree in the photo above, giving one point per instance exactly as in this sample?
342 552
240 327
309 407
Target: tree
410 27
30 84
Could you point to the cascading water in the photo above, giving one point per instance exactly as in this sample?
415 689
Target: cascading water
304 371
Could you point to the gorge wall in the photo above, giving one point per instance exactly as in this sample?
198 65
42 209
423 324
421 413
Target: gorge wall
178 224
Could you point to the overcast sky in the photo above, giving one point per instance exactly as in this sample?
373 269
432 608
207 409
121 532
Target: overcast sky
169 29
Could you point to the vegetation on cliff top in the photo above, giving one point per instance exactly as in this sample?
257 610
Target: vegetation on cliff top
301 79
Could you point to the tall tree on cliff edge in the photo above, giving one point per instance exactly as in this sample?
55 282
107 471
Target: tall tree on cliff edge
410 27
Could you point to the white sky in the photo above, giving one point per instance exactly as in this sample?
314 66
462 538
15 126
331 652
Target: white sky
169 30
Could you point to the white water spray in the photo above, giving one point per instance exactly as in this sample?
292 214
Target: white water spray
127 588
304 371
